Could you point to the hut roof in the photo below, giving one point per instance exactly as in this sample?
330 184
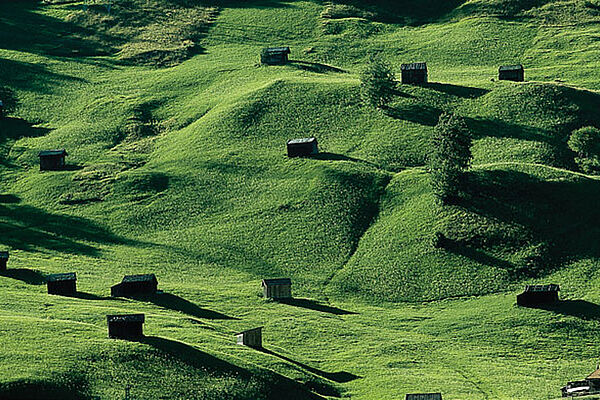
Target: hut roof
542 288
301 141
69 276
52 153
516 67
140 278
3 254
594 375
126 318
273 282
277 50
413 66
424 396
250 330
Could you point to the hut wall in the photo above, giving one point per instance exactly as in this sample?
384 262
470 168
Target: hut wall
534 298
302 149
51 163
278 291
125 329
251 339
512 75
62 287
3 262
414 76
133 288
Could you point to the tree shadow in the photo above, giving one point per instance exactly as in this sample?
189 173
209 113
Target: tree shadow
9 199
339 377
456 90
279 385
32 77
176 303
313 305
15 128
421 114
9 100
575 308
29 276
72 385
315 67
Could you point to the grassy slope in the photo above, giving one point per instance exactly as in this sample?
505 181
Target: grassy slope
184 175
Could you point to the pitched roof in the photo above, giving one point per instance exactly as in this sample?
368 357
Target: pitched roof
69 276
413 66
250 330
139 278
51 153
302 141
424 396
516 67
542 288
275 50
126 318
3 254
594 375
280 281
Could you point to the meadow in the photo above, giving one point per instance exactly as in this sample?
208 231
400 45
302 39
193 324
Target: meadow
176 140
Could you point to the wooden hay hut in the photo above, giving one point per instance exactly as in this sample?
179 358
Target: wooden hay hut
538 294
130 326
593 380
52 160
302 147
577 388
277 288
133 285
274 55
424 396
3 260
251 337
414 73
62 284
514 73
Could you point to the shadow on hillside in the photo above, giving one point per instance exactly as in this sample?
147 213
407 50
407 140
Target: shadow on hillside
91 296
27 29
458 91
314 305
28 228
280 386
28 276
176 303
552 221
9 99
32 77
315 67
421 114
574 308
15 128
340 157
67 386
339 377
9 199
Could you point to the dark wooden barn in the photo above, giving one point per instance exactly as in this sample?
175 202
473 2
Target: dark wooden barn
593 381
130 326
277 288
3 260
511 73
302 147
251 337
274 55
62 284
52 160
538 294
414 73
133 285
424 396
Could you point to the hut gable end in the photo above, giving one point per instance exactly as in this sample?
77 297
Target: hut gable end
414 73
277 288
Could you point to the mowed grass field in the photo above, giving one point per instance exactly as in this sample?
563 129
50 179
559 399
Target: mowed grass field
177 167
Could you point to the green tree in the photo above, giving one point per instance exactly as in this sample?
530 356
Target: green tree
377 82
585 142
450 156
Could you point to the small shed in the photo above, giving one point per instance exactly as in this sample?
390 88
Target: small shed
52 160
538 294
129 326
593 380
414 73
277 288
3 260
274 55
251 337
132 285
424 396
302 147
577 388
62 284
511 73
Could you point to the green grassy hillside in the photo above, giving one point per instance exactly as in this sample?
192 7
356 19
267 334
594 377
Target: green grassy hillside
176 140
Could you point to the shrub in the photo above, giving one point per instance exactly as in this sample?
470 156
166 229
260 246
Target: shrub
585 142
378 82
450 156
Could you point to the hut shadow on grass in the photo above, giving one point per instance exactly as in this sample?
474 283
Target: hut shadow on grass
176 303
91 296
29 276
338 377
458 91
314 305
575 308
315 67
421 114
341 157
